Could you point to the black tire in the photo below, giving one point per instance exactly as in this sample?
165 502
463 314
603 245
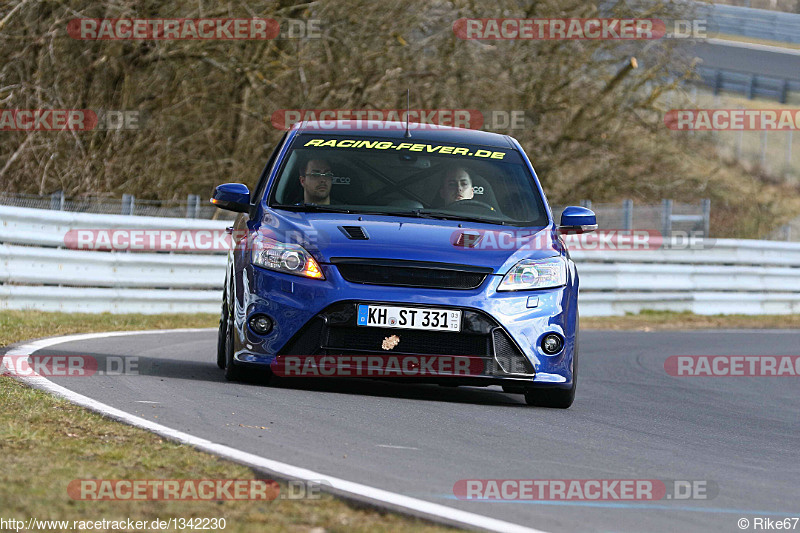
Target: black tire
260 375
233 372
556 398
221 332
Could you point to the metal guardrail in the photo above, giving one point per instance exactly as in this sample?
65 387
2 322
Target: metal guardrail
750 22
41 227
748 83
726 276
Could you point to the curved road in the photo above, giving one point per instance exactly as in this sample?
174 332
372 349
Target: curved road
630 420
771 62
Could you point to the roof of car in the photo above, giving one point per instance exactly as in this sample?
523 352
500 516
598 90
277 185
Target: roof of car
397 130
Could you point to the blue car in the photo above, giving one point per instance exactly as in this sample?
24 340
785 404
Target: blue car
401 251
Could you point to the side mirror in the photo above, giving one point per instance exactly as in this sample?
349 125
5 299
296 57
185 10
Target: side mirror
576 219
232 196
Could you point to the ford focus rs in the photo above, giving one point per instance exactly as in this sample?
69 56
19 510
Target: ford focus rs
374 249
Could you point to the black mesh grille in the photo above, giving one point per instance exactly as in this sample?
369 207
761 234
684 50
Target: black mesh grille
307 342
350 339
410 276
511 360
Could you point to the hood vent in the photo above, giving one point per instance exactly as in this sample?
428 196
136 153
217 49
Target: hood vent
468 239
356 233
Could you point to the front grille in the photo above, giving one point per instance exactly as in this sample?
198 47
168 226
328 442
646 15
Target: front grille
307 341
411 274
508 355
334 332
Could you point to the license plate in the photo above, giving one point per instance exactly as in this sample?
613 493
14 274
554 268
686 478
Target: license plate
383 316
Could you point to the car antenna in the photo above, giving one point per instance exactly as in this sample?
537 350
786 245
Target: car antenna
408 111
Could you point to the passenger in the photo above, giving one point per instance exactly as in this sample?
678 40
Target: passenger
456 186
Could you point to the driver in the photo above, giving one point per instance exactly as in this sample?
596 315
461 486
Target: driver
456 186
316 180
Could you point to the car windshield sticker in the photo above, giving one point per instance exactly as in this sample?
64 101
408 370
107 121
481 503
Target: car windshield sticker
411 147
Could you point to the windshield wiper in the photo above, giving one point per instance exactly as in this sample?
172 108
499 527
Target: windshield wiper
312 207
451 216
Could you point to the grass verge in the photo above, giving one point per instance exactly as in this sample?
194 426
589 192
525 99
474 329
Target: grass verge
47 442
670 320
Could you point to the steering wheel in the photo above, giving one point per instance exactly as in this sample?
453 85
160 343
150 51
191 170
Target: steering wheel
472 202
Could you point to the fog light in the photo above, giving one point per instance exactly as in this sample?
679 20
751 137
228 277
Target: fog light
261 324
552 343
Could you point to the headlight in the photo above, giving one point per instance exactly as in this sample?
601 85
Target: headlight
536 274
283 257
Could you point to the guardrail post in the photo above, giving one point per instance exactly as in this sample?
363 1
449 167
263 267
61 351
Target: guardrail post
193 206
627 214
739 139
717 81
705 205
128 202
666 218
751 89
784 91
586 203
788 153
57 201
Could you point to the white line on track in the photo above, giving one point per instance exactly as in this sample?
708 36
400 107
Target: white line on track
754 46
361 492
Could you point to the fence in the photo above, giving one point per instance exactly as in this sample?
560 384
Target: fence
194 207
666 217
730 276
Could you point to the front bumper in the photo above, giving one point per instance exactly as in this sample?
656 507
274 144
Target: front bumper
317 317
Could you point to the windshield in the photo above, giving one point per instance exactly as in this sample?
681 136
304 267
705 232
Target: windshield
408 178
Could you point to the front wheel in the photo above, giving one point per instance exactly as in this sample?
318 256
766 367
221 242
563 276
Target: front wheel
221 335
237 371
233 372
556 398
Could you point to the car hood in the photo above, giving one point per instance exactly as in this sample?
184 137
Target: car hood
492 246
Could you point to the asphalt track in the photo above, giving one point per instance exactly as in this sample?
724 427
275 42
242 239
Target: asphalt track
728 56
630 421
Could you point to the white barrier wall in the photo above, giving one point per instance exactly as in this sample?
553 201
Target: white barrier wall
36 272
